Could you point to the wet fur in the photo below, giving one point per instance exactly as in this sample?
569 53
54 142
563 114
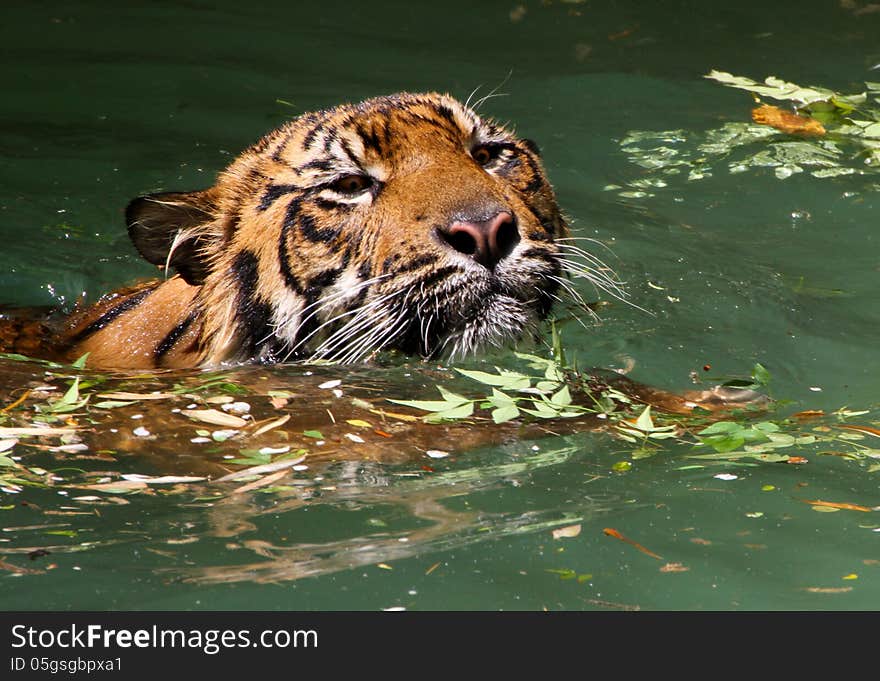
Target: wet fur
277 261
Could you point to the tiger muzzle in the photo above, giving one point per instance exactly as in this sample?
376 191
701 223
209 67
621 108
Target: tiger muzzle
487 241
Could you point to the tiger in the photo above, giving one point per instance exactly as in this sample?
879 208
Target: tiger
406 222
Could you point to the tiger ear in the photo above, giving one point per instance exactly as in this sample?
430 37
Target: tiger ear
164 229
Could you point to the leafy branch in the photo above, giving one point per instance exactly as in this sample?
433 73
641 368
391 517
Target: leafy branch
544 395
821 132
856 116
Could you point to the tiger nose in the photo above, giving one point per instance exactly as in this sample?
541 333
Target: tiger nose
486 241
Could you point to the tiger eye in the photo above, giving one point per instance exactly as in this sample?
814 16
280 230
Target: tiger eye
352 184
482 155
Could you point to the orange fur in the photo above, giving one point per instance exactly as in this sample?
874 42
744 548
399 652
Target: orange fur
282 259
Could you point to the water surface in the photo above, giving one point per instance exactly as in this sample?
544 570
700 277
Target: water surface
104 102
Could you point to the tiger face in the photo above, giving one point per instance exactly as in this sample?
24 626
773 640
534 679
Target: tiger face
405 222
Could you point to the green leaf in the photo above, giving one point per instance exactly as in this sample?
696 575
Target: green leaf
15 356
725 443
72 394
62 533
766 457
452 397
562 398
252 457
667 434
504 414
111 404
316 434
461 411
563 573
550 367
425 405
542 410
80 362
500 399
511 380
721 427
773 87
644 421
760 375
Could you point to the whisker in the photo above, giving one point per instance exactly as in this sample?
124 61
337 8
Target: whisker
378 336
375 343
578 299
364 318
493 92
316 308
329 302
467 103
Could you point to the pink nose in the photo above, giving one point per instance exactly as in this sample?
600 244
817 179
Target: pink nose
486 241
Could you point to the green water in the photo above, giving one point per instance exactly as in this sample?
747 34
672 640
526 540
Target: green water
104 101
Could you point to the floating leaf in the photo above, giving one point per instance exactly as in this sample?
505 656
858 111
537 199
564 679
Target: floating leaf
428 405
271 425
409 418
541 409
644 422
838 505
760 375
461 411
215 417
505 413
564 573
786 121
271 451
567 531
766 457
126 396
510 380
262 482
72 394
118 486
673 567
162 479
562 398
264 468
773 87
29 431
868 430
80 362
112 404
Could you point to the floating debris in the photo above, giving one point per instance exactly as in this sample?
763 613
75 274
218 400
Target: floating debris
567 531
216 418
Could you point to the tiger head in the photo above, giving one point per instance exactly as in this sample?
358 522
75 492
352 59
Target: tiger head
404 222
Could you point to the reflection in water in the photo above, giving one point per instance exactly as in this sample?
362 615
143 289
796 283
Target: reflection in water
358 485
